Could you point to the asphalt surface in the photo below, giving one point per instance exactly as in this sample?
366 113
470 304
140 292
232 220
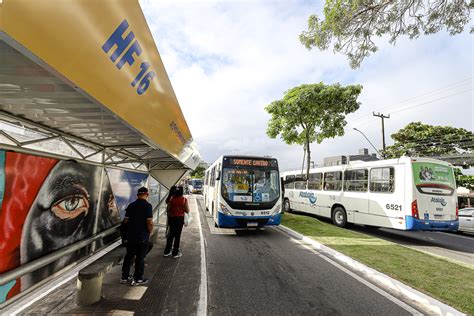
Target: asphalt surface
268 273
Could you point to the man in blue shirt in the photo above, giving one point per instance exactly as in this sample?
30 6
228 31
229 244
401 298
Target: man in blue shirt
139 222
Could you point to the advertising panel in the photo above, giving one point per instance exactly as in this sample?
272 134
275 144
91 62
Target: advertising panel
125 185
433 178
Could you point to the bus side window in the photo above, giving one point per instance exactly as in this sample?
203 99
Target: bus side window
315 181
300 184
290 183
356 180
333 181
382 180
213 176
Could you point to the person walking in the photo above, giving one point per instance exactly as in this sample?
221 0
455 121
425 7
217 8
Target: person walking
139 222
177 207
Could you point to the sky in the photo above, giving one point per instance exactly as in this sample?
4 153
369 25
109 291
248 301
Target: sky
227 60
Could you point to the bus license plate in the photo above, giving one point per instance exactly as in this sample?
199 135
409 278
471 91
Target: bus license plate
252 224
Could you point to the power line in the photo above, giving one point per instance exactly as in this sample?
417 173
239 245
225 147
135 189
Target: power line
434 92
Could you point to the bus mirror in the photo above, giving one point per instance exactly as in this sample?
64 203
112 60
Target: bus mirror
218 175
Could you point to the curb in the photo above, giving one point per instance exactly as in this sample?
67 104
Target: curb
415 298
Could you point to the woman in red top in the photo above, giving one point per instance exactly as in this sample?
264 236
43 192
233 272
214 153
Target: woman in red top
177 207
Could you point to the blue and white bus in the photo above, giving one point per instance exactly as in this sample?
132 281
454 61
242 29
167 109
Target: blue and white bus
405 193
243 192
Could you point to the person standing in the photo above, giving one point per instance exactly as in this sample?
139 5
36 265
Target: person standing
177 207
139 221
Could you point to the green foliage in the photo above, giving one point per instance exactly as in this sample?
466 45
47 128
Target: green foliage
417 139
352 24
463 180
312 112
198 172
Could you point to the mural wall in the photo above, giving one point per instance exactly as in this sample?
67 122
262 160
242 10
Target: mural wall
47 204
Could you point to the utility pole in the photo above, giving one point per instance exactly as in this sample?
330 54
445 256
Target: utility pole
383 129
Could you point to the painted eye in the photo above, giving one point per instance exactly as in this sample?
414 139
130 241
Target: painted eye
71 206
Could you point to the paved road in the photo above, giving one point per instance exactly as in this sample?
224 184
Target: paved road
268 273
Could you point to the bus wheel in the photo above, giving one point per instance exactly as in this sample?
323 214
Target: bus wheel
339 217
286 206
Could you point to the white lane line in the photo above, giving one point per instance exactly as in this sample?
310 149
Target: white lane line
393 299
202 305
422 301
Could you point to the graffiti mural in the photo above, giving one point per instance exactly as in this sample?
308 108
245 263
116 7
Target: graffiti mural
47 204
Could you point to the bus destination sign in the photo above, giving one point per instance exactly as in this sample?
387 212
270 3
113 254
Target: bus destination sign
250 162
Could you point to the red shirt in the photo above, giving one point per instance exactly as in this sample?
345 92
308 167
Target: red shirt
177 206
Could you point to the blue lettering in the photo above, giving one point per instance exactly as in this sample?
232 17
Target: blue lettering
128 56
117 39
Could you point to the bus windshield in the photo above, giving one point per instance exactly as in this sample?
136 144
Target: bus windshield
433 178
251 185
196 183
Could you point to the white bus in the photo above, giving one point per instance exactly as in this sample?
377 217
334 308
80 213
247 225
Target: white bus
243 191
405 193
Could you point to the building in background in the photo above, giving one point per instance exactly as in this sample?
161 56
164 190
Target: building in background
343 160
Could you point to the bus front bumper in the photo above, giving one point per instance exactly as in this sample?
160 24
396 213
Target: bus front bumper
419 224
227 221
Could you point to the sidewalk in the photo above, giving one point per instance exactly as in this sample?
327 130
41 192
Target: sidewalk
173 288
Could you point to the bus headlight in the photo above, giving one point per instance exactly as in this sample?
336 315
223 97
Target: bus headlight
224 209
278 209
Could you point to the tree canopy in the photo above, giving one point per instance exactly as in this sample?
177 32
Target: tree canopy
312 112
352 24
418 139
463 180
198 172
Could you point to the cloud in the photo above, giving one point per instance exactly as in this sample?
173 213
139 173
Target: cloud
227 60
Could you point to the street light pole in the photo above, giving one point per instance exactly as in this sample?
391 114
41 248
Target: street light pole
369 142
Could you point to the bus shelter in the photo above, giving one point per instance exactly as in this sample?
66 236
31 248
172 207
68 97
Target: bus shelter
87 115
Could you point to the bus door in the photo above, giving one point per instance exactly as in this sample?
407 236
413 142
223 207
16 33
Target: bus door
386 196
356 186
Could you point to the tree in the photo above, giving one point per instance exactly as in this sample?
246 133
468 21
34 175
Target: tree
463 180
312 112
353 24
198 172
418 139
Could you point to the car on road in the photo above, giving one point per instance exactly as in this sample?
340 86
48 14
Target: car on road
466 219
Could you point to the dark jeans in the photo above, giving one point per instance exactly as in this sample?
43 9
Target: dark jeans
174 234
139 251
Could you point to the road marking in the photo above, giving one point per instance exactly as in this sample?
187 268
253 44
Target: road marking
202 305
453 235
216 230
388 296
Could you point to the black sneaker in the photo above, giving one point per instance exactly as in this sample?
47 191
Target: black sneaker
125 280
139 282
